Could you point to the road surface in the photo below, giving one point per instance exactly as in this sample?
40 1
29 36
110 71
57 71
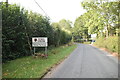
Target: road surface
86 61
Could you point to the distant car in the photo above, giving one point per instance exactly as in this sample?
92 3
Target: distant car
93 40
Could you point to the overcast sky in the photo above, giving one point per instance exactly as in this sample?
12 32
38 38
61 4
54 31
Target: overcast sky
55 9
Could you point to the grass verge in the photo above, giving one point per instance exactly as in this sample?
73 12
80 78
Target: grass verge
29 67
110 43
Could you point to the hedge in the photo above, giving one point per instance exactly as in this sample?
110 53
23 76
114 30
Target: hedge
111 43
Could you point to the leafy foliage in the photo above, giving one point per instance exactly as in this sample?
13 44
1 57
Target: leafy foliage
19 26
101 18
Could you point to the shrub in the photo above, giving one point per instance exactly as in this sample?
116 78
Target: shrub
20 25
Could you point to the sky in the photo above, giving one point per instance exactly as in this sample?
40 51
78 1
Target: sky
55 9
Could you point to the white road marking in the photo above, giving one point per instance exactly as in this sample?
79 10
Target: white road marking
109 55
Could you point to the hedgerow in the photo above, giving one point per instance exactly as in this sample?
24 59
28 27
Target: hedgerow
18 28
111 43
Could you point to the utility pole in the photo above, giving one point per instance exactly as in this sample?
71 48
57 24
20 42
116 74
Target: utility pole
6 3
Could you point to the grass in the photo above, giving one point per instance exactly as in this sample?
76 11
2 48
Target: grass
29 67
87 42
110 43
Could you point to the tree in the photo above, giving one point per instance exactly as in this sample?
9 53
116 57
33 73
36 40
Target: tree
57 33
80 29
65 24
20 25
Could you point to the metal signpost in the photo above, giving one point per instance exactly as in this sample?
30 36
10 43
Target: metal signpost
40 42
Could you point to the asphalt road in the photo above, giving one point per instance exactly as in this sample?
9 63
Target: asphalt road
86 61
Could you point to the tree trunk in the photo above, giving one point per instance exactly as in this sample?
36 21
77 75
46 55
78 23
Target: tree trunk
107 32
28 42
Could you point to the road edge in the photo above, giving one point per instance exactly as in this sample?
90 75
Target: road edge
55 65
108 51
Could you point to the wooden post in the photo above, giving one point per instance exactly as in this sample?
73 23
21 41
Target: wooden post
46 52
34 51
6 3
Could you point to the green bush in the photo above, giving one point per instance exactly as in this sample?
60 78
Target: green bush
111 43
20 25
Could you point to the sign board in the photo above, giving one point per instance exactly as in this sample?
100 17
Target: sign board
39 42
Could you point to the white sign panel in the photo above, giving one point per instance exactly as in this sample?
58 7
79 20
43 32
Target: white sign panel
39 42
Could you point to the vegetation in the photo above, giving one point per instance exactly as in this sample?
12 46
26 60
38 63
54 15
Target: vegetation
88 42
102 18
111 43
20 25
29 67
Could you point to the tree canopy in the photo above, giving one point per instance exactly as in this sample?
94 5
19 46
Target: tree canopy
101 18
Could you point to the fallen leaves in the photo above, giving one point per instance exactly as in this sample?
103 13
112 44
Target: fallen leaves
5 74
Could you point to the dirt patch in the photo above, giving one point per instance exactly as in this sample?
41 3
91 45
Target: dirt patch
104 49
